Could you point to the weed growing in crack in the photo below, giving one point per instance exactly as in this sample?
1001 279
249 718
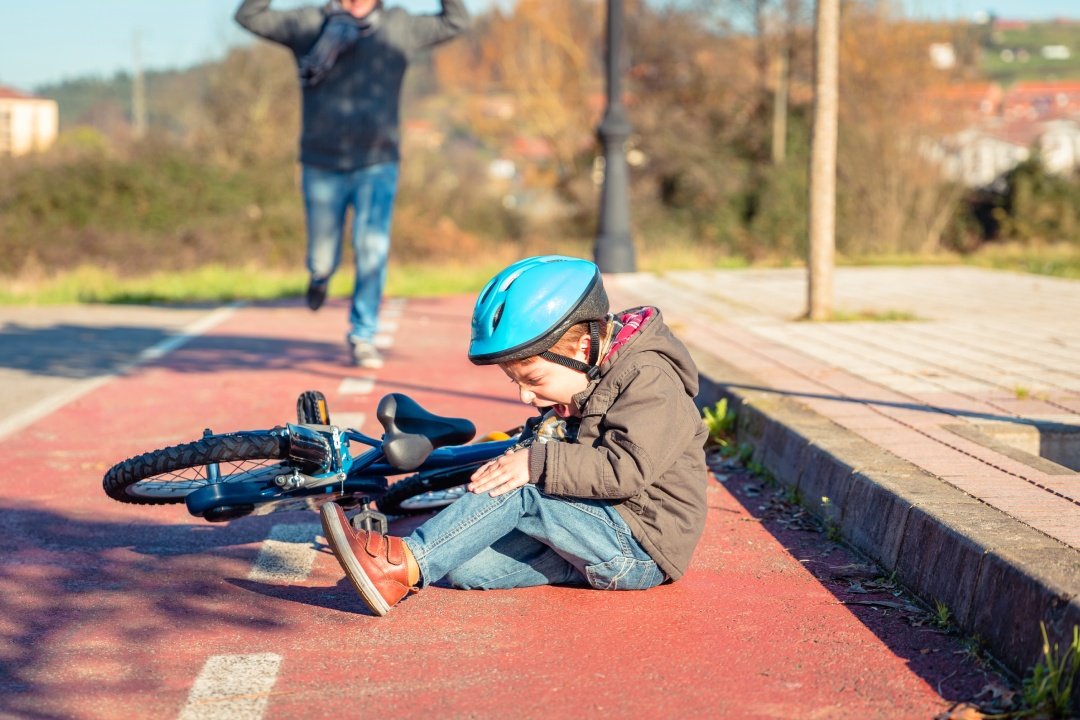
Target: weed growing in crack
942 617
832 530
720 420
1048 691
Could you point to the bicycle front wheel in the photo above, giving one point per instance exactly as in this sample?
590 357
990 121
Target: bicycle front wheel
425 492
167 476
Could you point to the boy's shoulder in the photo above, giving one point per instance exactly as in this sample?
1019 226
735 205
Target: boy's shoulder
643 339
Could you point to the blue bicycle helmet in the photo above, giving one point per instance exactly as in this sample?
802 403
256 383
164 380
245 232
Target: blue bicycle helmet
529 306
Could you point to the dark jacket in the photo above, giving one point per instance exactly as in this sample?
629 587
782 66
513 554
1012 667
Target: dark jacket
640 446
350 119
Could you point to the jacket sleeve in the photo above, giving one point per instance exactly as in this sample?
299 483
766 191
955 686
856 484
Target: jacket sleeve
280 26
428 30
644 431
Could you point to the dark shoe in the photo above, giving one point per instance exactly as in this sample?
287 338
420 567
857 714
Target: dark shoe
374 563
316 293
365 355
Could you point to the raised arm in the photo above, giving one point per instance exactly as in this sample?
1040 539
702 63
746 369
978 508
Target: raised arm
428 30
281 26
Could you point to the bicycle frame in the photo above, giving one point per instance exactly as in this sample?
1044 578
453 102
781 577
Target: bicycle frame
320 463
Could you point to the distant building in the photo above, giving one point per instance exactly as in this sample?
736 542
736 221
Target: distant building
1035 100
976 157
1059 145
27 123
979 156
942 55
960 105
1003 24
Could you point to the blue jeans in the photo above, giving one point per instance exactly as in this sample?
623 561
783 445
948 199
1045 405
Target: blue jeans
526 538
327 195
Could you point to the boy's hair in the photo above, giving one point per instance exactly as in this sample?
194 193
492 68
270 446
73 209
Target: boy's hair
567 345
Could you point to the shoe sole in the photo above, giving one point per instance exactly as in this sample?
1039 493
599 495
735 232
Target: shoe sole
336 538
369 364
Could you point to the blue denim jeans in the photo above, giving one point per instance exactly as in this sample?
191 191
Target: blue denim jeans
526 538
327 195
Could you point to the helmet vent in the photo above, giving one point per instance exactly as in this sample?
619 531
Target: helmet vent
496 317
510 280
487 291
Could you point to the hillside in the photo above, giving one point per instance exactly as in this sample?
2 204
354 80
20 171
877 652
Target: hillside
1015 51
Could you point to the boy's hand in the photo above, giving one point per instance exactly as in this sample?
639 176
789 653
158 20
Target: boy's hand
502 475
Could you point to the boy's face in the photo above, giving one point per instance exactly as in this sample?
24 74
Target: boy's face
544 384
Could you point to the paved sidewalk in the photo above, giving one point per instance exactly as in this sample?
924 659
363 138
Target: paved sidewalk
980 391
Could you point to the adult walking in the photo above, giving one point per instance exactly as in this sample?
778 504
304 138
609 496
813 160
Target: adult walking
351 56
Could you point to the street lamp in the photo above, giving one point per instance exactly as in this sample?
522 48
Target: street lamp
614 250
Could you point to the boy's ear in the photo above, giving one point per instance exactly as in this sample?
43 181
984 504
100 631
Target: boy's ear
583 346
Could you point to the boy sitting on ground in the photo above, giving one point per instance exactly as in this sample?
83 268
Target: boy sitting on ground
617 502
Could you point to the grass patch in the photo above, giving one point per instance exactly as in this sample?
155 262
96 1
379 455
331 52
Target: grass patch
873 316
215 283
1056 260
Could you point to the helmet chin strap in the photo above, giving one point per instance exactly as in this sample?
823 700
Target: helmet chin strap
592 369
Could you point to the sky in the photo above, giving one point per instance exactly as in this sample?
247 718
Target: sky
45 42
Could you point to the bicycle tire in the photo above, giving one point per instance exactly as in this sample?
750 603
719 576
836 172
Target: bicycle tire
162 472
396 499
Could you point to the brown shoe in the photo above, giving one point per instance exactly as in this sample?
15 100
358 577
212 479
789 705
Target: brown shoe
374 563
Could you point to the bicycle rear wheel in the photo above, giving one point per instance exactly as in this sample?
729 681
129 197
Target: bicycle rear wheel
168 475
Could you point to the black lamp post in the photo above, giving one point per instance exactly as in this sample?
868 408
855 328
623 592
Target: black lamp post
614 250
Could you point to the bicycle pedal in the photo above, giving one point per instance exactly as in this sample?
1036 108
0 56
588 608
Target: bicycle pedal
370 520
311 408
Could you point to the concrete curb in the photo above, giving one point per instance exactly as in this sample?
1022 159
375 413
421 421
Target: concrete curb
998 576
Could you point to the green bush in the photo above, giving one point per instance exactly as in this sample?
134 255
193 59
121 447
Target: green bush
1038 205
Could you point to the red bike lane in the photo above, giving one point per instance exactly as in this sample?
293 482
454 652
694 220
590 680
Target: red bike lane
111 610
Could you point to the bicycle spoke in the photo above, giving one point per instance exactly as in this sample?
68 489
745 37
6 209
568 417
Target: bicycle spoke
182 482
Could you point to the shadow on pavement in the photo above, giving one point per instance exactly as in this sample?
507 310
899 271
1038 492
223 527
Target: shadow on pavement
87 603
74 351
952 412
80 352
937 655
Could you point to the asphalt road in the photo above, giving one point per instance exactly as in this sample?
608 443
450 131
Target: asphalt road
110 610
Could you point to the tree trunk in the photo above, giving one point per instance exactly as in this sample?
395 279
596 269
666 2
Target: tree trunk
822 220
780 103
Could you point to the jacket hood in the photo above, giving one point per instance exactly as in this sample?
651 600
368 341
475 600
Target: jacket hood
652 336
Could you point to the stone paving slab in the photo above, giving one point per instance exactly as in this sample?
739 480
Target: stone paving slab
891 422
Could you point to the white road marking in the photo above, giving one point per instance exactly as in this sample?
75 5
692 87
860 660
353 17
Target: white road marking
51 404
232 687
383 341
388 326
287 555
392 309
356 386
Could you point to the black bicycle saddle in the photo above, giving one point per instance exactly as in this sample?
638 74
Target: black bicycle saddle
412 432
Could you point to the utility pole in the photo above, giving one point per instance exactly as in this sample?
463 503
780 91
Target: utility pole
138 92
614 250
822 220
